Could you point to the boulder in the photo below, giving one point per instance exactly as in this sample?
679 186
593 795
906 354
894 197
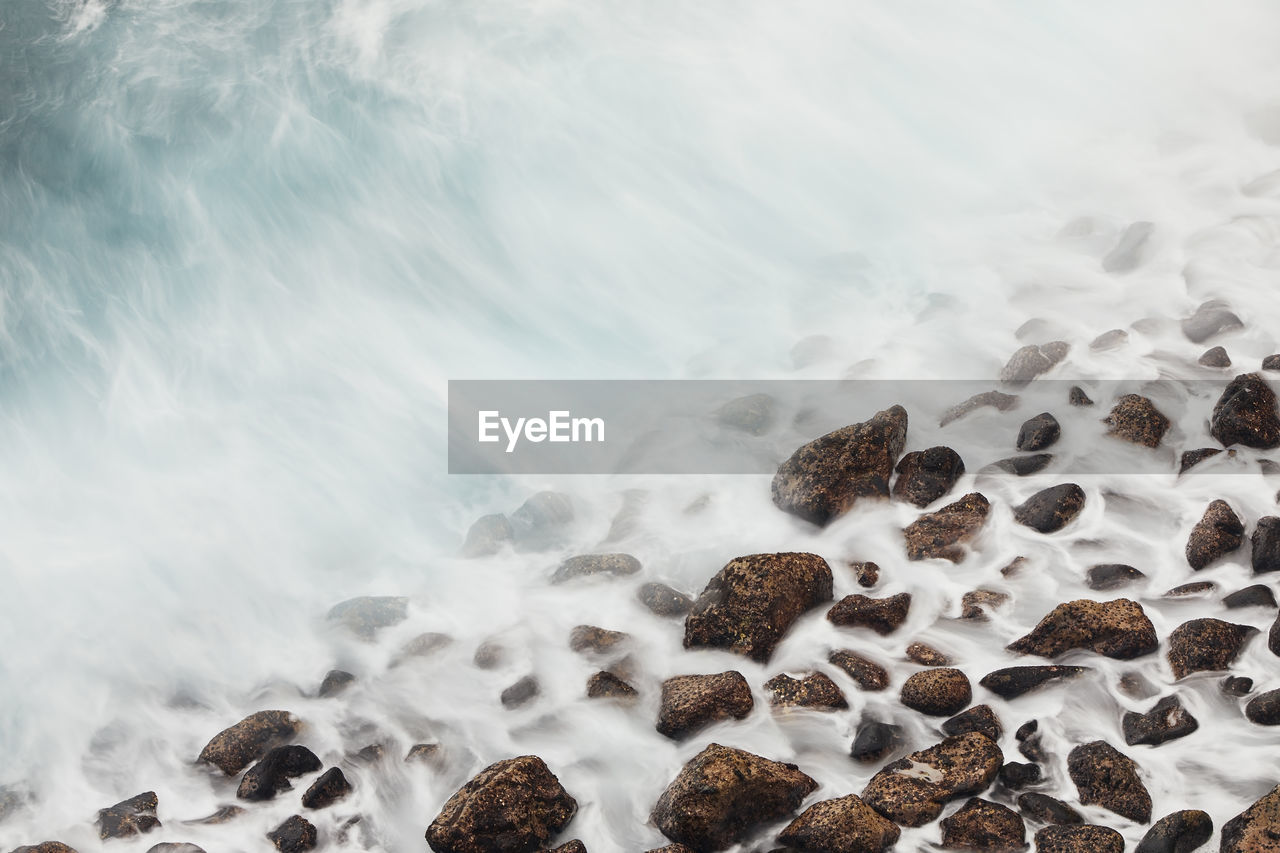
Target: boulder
1205 645
874 741
1039 432
1214 357
941 534
867 673
937 692
1030 361
1128 253
1085 838
1236 686
912 791
1216 534
692 702
1013 681
1135 418
45 847
1106 777
1167 721
606 685
1211 318
844 825
233 748
130 817
1116 629
1047 809
1180 832
1195 589
1049 510
1266 545
1016 775
295 835
979 718
331 787
513 806
271 775
926 475
1246 414
882 615
366 615
1264 709
574 846
813 691
927 655
595 565
663 600
1256 829
984 825
521 693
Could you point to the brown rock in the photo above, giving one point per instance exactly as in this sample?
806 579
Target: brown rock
1135 418
574 846
327 790
1190 590
912 791
271 775
937 692
926 475
1271 362
593 565
979 718
1031 361
866 573
600 641
1116 629
1024 465
1215 357
430 753
45 847
1013 681
984 825
1167 721
812 691
1205 645
130 817
927 655
606 685
233 748
976 603
295 835
1112 576
1046 809
691 702
1192 458
521 693
869 674
1079 839
940 534
335 681
1246 414
1077 397
1049 510
844 825
882 615
1106 777
1217 534
663 600
752 602
487 536
1256 829
1256 595
1264 709
512 806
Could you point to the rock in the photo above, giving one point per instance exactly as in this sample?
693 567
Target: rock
663 600
1016 775
429 753
1046 809
1116 629
1013 681
1030 361
487 535
979 718
541 521
1039 432
926 475
691 702
1264 709
271 775
1029 742
335 681
995 399
977 603
812 691
1106 777
1256 595
130 817
869 674
1079 839
1077 397
937 692
233 748
912 791
754 414
1126 255
327 790
606 685
600 641
1180 832
520 693
673 848
1236 685
1112 576
940 534
1024 466
1211 318
45 847
424 645
175 847
823 479
882 615
1216 534
294 835
489 655
1273 637
1246 414
752 602
1167 721
840 826
926 655
866 573
366 615
1135 418
1205 645
1191 458
1256 829
1271 362
574 846
1215 357
1109 340
1189 590
513 806
592 565
225 814
723 794
984 825
1049 510
1266 545
874 741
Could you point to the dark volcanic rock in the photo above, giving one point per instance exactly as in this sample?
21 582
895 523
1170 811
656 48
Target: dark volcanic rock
940 534
574 846
927 655
979 718
926 475
1039 432
1192 458
271 775
882 615
1236 685
1016 775
1135 418
1013 681
1085 838
606 685
335 681
1257 595
1211 318
513 806
1024 466
824 478
1030 361
600 641
327 790
1246 414
1051 509
1264 709
1266 545
1047 809
366 615
1167 721
1205 645
522 692
869 674
912 791
812 691
1180 832
1256 829
663 600
1217 533
487 536
751 603
690 702
1106 777
1116 629
839 826
295 835
1215 357
1112 576
1077 397
233 748
995 399
975 603
130 817
874 741
591 565
937 692
984 825
723 794
866 573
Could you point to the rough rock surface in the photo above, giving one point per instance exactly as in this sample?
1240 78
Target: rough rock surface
1047 809
690 702
927 655
874 741
722 794
1271 362
1266 545
271 775
513 806
1013 681
1116 629
130 817
1085 838
1016 775
366 615
1106 777
813 691
1180 832
593 565
926 475
751 603
295 835
1030 361
976 603
1256 829
1111 576
1192 458
867 673
1135 418
824 478
1167 721
984 825
866 573
233 748
940 534
912 791
1049 510
1205 645
606 685
979 718
1246 414
882 615
1211 318
1215 357
45 847
1039 432
1216 534
1077 397
1264 709
844 824
595 640
326 790
937 692
663 600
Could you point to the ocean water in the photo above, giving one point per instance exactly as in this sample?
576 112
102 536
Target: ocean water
244 245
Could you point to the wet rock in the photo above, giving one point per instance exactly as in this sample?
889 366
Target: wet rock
600 641
130 817
422 646
1167 721
1049 510
271 775
606 685
542 521
1126 256
1266 545
937 692
593 565
1191 458
824 478
723 794
489 655
225 814
984 825
429 753
233 748
295 835
1085 838
521 693
1014 681
1180 832
1109 340
1215 357
926 475
940 534
979 718
1205 645
1246 414
366 615
977 603
327 790
927 655
1039 432
1112 576
1023 466
1030 361
1047 809
812 691
882 615
839 826
1264 709
912 791
874 741
513 806
753 601
1135 418
487 535
691 702
997 400
1256 829
175 847
1216 534
753 414
1271 362
673 848
1236 685
1211 318
1016 775
574 846
1116 629
45 847
1106 777
869 674
1273 637
1190 590
867 574
1077 397
335 681
663 600
1029 742
1256 595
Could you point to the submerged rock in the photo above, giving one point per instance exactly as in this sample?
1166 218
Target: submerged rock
977 603
1024 466
874 741
937 692
1135 418
1111 576
663 600
233 748
869 674
543 520
331 787
1167 721
984 825
979 718
1030 361
912 791
1256 829
606 685
812 691
1205 645
1039 432
995 399
1049 510
1116 629
1077 397
366 615
1126 256
691 702
271 775
753 414
866 573
295 835
1246 414
1085 838
927 655
1180 832
1015 775
595 640
335 681
1013 681
1216 534
1266 545
130 817
487 535
512 806
1109 340
840 826
926 475
1106 777
521 693
940 534
592 565
1047 809
882 615
1211 318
